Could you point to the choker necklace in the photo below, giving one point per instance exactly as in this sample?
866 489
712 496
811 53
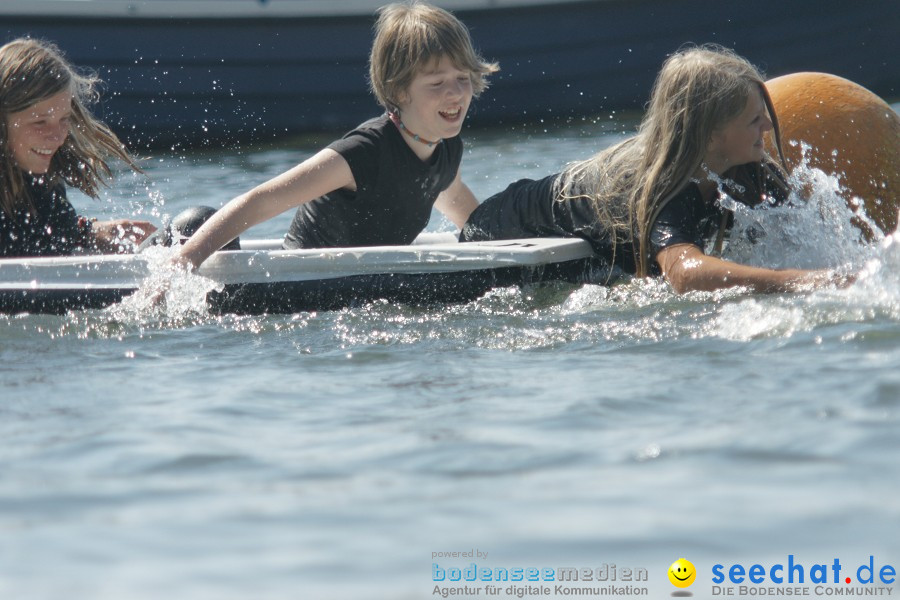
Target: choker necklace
396 119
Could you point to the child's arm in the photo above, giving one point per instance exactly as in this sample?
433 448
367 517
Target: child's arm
687 268
457 202
318 175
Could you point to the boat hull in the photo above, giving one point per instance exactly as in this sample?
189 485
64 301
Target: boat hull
197 78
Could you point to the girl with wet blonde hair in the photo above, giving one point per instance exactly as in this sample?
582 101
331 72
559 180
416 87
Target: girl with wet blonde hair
650 205
49 139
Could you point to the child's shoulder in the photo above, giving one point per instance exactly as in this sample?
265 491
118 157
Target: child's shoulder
369 134
374 126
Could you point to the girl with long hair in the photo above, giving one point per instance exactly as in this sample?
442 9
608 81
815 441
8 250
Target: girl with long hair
48 139
650 205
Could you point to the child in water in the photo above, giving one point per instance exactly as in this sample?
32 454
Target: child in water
48 139
378 184
651 205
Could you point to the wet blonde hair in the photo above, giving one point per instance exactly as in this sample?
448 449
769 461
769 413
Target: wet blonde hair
32 71
410 37
698 91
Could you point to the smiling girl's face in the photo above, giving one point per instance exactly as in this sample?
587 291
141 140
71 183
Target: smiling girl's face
740 141
36 133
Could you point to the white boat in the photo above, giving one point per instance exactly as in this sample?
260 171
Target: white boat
263 278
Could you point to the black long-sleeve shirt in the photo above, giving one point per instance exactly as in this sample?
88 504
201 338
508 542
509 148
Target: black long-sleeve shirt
53 229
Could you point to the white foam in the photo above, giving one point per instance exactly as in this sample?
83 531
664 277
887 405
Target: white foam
170 292
813 229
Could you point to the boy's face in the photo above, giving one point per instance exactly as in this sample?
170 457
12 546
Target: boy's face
437 101
36 133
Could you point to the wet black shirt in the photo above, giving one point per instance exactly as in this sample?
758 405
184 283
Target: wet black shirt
686 219
52 230
395 192
528 208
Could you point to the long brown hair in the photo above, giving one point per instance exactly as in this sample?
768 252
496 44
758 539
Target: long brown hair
32 71
698 90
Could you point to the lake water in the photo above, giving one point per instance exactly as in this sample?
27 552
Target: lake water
332 455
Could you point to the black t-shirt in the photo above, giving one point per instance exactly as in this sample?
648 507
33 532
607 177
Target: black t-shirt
689 219
529 208
686 219
395 192
52 230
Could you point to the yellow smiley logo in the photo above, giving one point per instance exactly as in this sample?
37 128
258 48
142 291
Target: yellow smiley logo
682 573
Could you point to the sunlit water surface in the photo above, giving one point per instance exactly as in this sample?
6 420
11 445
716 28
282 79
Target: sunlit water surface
175 454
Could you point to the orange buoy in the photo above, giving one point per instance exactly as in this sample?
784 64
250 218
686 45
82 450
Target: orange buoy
852 133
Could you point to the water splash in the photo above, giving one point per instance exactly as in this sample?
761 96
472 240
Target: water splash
873 297
878 283
814 229
170 293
